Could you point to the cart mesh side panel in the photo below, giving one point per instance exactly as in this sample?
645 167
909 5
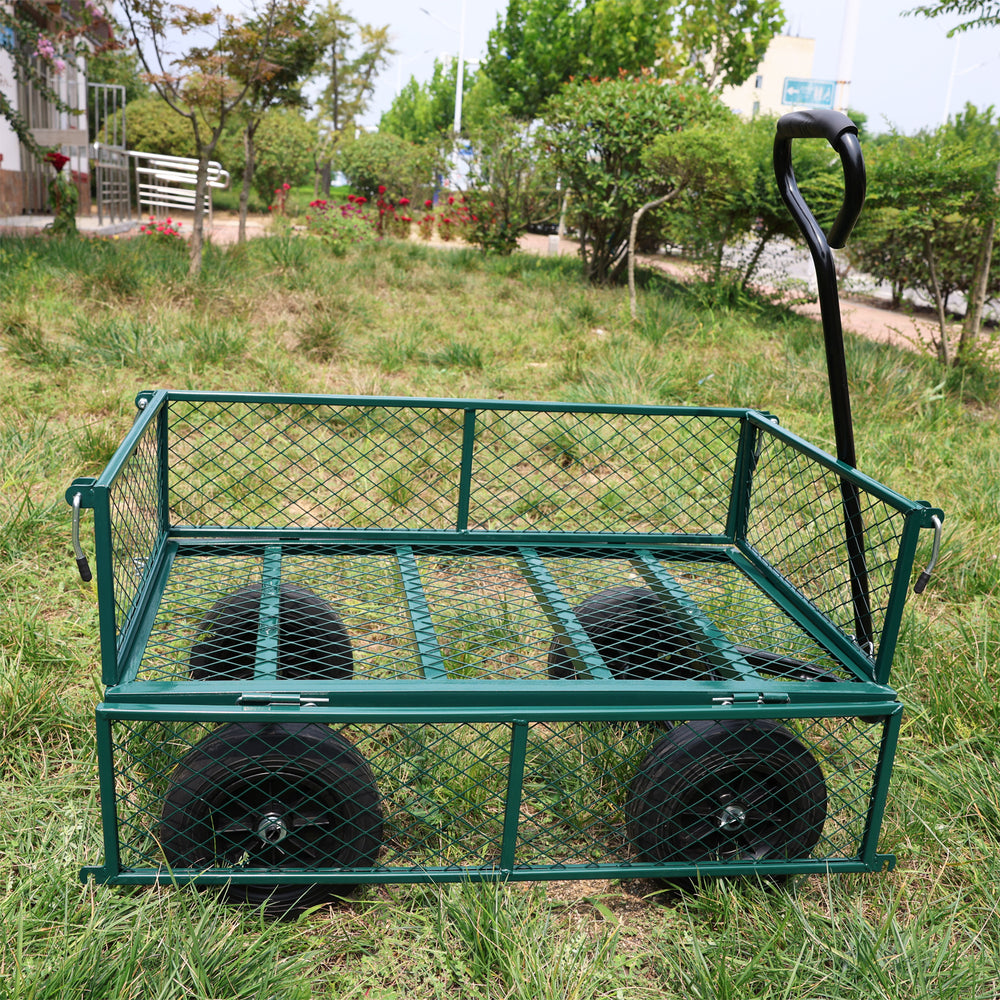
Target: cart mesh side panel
250 465
134 504
474 798
797 524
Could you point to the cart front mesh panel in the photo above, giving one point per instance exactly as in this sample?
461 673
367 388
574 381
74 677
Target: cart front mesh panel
431 798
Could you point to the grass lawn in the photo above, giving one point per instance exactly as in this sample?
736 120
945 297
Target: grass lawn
84 325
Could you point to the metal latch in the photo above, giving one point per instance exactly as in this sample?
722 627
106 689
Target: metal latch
754 698
277 699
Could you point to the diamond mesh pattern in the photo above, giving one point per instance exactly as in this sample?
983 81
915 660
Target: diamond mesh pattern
432 797
797 524
475 613
262 464
133 500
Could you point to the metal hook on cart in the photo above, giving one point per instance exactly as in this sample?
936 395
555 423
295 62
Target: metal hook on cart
924 578
81 558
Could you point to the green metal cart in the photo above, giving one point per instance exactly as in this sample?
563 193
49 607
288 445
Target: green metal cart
359 639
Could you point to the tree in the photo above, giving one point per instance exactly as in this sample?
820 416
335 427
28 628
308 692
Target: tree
118 65
288 60
980 13
541 44
708 161
534 48
510 181
717 42
285 142
734 200
426 111
597 131
352 56
381 160
931 201
198 85
39 39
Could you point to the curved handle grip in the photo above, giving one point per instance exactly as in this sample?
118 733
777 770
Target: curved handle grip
842 134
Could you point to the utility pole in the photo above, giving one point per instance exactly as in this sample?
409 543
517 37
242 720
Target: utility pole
848 42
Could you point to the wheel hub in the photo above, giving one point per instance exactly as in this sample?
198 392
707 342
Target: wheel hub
272 828
732 817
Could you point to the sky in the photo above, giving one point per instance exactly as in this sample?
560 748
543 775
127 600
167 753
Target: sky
904 67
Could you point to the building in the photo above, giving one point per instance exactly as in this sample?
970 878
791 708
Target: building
23 179
788 57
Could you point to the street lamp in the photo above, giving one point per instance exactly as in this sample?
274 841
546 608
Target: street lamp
460 78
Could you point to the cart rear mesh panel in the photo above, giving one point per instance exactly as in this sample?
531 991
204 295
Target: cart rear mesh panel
387 467
234 465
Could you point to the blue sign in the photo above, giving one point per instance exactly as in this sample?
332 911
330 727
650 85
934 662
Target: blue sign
811 93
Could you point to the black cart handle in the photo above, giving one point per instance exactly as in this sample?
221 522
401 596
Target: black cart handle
842 134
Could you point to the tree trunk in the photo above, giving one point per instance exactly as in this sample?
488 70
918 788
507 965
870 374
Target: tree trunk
980 282
633 230
248 166
198 223
754 261
942 346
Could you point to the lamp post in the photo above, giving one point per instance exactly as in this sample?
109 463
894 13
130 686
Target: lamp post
460 77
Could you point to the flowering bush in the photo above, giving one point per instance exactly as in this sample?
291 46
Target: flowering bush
167 230
63 195
341 226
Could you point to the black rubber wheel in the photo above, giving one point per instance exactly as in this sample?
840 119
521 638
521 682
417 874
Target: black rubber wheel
312 640
273 796
733 790
637 637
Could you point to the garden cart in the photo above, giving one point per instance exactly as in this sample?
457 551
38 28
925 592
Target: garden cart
350 640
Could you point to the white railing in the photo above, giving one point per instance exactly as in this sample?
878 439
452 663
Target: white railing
168 182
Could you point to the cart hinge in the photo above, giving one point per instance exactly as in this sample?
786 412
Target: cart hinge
279 699
753 698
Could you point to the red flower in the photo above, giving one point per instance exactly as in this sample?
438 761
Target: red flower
286 187
451 200
57 159
428 203
404 201
360 200
381 189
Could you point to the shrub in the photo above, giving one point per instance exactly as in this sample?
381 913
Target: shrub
340 226
285 144
597 131
404 169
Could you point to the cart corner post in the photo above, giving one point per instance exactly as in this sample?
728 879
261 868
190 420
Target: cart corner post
85 493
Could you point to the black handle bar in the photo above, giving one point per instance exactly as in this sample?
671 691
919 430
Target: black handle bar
842 134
